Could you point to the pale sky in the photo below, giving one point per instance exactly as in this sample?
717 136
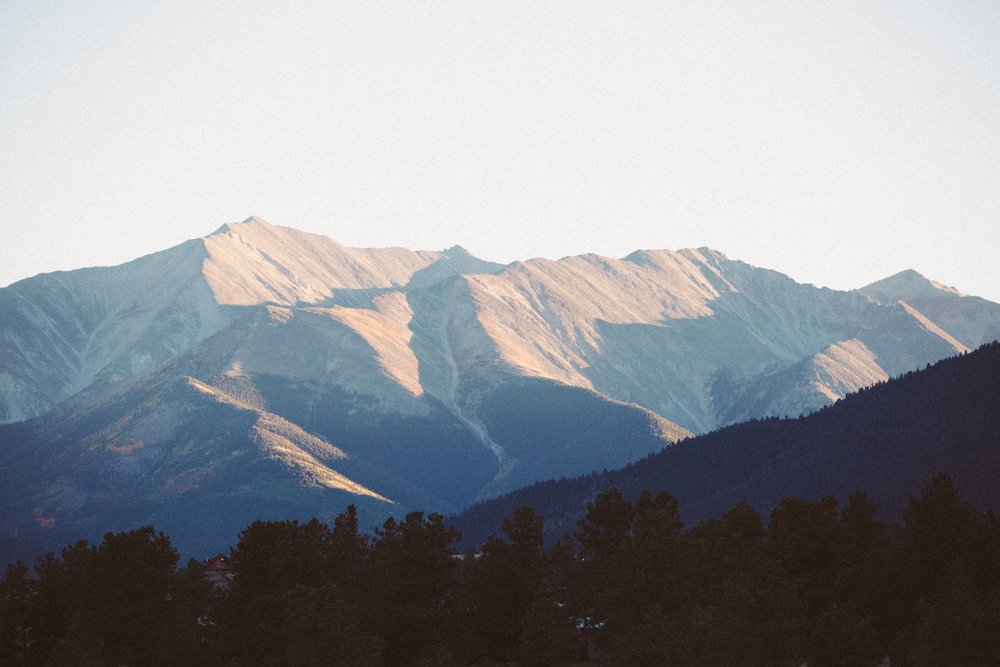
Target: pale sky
837 142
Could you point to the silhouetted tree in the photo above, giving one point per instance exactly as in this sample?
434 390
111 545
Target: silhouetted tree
121 602
734 602
945 585
16 617
319 626
602 535
519 612
817 586
656 640
804 541
412 576
504 582
606 526
654 566
271 559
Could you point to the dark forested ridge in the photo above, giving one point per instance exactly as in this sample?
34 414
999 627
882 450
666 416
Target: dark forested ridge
818 584
884 439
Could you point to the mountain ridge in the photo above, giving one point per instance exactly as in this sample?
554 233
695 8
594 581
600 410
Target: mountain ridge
545 318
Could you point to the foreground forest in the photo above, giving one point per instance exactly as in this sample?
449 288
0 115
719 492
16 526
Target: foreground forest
817 583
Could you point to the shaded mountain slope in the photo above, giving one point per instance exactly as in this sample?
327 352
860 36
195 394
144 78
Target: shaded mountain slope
886 440
182 455
244 426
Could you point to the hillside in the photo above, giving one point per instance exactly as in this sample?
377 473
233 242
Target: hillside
886 440
235 430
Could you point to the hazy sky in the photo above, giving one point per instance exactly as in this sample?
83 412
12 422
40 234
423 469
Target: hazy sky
837 142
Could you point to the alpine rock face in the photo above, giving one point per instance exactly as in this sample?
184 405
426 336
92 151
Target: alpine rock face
262 371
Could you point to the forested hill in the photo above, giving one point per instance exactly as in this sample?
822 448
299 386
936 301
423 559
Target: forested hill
885 439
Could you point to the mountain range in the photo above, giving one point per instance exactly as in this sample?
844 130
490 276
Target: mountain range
265 372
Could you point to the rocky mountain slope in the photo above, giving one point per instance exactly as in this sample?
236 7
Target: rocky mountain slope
971 320
692 335
401 379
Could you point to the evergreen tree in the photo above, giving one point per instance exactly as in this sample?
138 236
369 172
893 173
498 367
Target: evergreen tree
606 526
945 580
121 602
603 534
504 582
519 612
734 600
805 541
819 586
16 617
412 576
271 559
320 626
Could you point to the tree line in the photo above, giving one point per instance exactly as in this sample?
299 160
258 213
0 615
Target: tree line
816 583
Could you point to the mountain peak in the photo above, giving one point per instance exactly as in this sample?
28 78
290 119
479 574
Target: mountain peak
704 255
252 221
254 262
905 286
457 251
